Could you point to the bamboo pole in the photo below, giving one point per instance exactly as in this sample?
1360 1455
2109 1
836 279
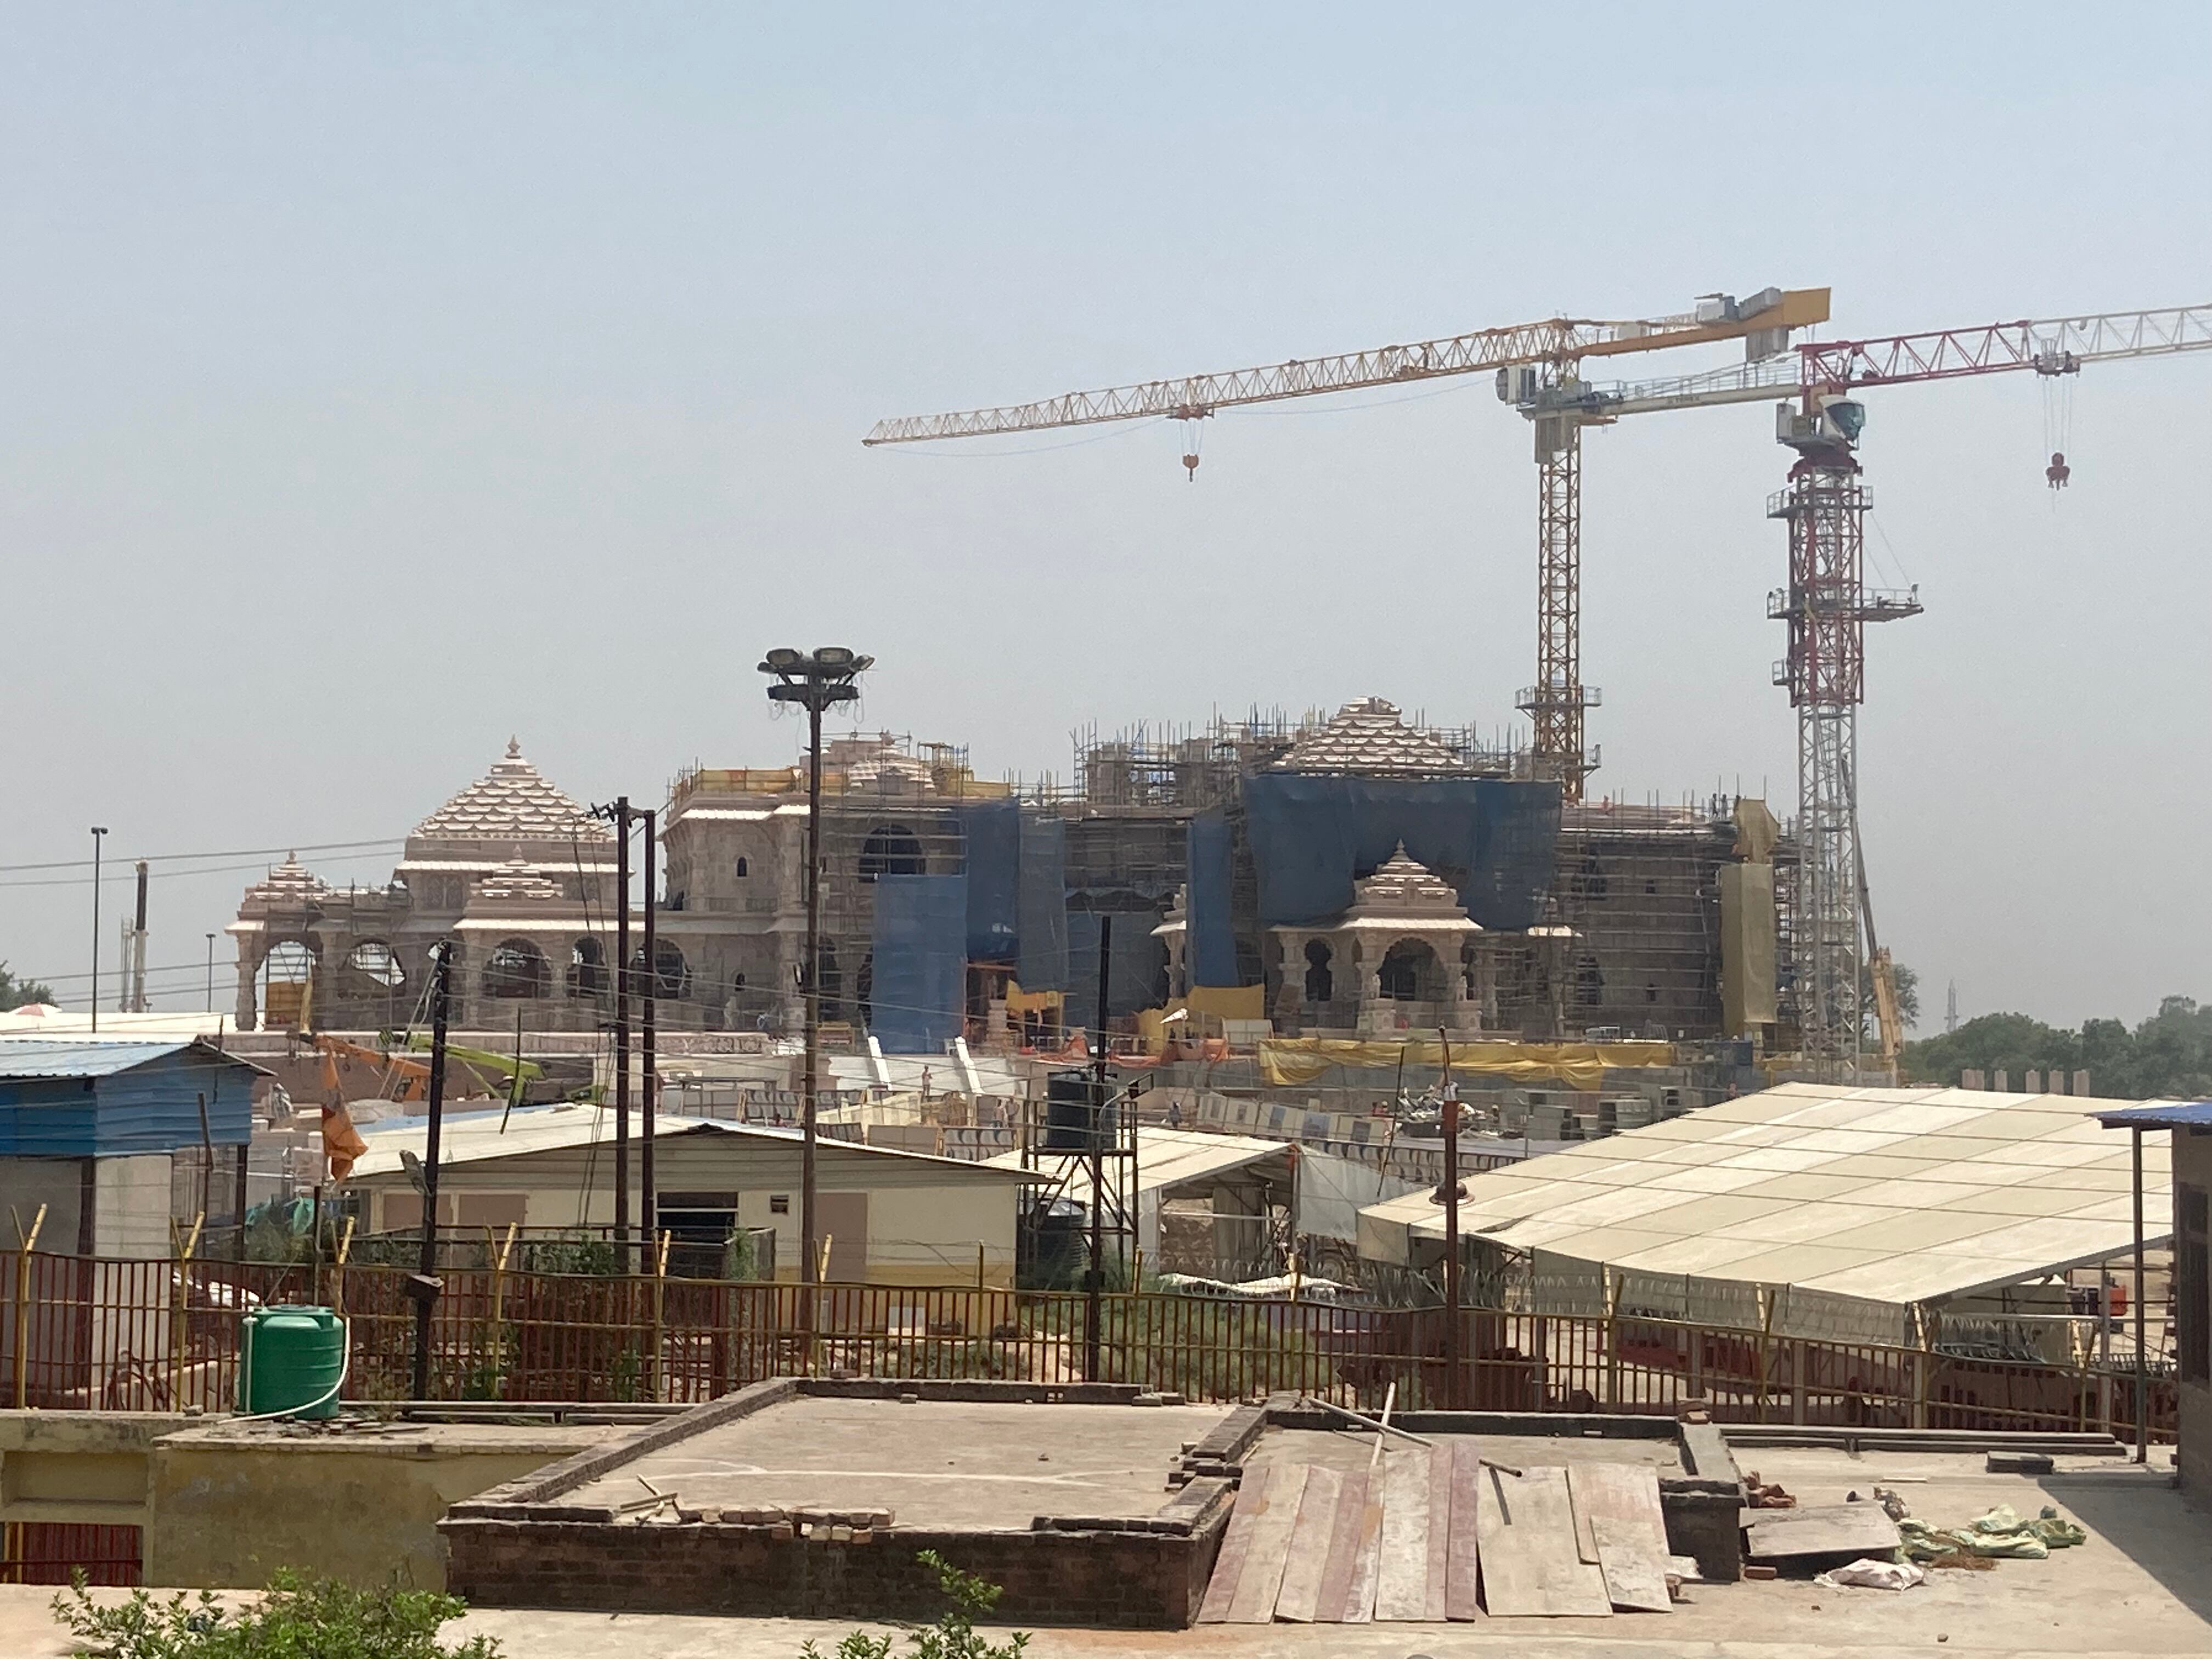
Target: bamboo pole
25 1244
659 1282
500 1256
180 1303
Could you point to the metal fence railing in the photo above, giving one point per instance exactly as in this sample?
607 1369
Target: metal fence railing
163 1333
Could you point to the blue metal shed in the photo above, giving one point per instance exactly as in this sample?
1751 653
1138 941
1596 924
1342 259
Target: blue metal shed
94 1099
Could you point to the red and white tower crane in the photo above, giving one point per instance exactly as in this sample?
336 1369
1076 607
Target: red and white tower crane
1827 604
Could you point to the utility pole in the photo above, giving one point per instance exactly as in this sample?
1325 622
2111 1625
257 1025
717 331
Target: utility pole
622 1030
99 834
210 976
426 1285
1454 1335
815 680
134 955
1094 1282
649 1077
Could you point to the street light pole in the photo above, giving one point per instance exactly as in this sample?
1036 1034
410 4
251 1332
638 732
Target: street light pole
210 976
99 834
816 681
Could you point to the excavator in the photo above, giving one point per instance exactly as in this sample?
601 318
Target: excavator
406 1078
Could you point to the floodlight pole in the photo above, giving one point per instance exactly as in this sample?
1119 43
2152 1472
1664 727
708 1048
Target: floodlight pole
815 680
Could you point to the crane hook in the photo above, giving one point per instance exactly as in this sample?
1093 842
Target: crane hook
2057 472
1191 444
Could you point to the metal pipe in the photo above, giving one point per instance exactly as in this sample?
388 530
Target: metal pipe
2142 1359
648 1081
1094 1282
441 995
1453 1335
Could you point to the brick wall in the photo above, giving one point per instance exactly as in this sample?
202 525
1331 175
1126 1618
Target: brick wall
1124 1579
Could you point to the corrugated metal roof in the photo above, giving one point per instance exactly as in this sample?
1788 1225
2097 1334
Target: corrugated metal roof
24 1058
1889 1195
2182 1115
474 1136
1167 1158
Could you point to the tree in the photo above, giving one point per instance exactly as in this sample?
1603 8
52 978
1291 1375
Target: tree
1907 983
2168 1055
19 993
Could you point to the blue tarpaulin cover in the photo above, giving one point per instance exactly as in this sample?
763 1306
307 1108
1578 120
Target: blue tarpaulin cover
919 991
1133 977
1209 937
994 832
1491 840
1041 904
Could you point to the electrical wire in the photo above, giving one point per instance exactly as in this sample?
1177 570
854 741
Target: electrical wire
227 852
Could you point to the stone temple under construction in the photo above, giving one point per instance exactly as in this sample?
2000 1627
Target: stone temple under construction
1351 874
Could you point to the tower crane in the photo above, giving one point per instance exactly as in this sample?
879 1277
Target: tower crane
1538 362
1827 606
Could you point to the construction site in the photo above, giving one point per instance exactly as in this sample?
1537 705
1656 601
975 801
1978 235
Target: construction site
1276 1073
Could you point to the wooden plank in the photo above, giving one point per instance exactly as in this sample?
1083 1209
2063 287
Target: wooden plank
1439 1558
1635 1575
1299 1598
1257 1586
1627 1492
1462 1556
1401 1580
1367 1556
1834 1530
1530 1565
1344 1541
1236 1546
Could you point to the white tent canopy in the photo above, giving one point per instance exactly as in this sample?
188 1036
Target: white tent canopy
1860 1201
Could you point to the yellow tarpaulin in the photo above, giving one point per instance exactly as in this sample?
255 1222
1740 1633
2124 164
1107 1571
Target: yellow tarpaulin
1288 1062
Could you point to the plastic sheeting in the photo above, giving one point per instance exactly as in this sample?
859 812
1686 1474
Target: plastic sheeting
1747 947
1041 904
1132 980
1332 1190
1291 1063
1209 937
993 833
1312 837
919 993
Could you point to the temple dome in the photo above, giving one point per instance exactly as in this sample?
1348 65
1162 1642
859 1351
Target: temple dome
513 802
1368 739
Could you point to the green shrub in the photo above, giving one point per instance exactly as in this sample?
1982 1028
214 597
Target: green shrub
952 1637
298 1619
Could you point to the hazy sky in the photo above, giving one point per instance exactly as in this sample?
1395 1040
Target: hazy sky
377 381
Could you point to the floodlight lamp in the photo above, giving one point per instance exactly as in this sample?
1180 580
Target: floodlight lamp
783 660
833 659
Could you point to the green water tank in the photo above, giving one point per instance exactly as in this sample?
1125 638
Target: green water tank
290 1359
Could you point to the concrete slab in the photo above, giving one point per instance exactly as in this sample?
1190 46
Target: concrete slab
932 1463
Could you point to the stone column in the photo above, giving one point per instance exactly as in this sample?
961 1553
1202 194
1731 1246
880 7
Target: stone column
249 964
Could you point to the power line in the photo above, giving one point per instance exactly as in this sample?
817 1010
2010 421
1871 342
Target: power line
382 849
228 853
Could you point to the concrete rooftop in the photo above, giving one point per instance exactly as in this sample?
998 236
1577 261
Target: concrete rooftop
2140 1587
932 1463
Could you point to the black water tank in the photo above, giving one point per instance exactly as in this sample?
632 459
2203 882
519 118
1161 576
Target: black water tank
1068 1115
